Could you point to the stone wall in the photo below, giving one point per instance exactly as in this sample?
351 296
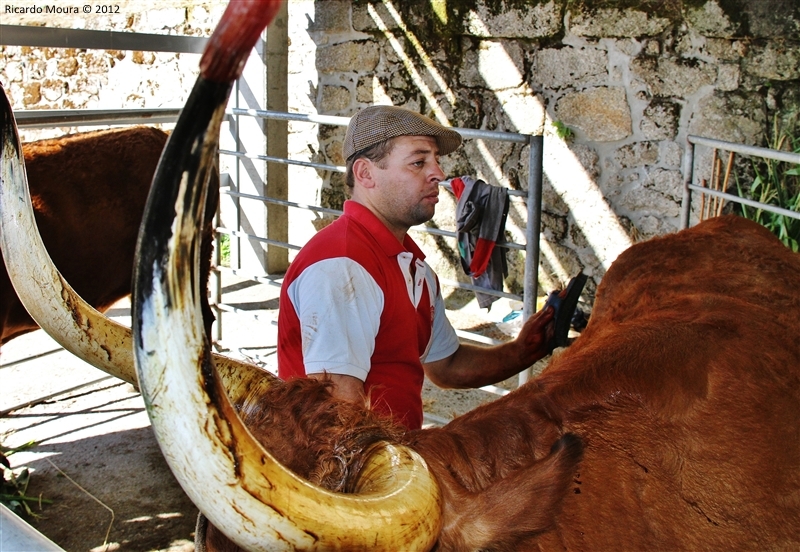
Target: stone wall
615 86
626 82
58 78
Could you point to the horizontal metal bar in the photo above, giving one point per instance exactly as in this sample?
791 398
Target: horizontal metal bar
477 134
285 203
478 289
494 389
745 201
513 193
336 212
284 161
249 275
277 282
332 120
224 307
326 167
45 118
51 37
451 234
766 153
238 234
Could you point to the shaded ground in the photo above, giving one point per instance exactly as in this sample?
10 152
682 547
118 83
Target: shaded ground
97 458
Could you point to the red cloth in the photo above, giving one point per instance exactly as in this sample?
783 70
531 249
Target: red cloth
484 247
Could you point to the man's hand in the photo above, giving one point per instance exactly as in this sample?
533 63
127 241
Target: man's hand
535 336
475 366
344 387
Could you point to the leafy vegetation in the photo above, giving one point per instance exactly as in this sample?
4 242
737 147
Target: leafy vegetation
563 131
225 249
15 484
777 183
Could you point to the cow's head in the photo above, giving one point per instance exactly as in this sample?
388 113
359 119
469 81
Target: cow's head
192 396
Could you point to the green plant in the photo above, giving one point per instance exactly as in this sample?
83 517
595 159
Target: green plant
15 484
563 131
224 250
777 183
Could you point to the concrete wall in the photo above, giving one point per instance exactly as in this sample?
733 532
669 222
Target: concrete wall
629 83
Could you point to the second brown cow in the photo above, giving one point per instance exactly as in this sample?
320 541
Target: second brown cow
89 192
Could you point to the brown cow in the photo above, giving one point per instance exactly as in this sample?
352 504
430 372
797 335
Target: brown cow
89 192
672 422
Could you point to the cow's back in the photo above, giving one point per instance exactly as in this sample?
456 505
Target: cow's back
88 192
685 388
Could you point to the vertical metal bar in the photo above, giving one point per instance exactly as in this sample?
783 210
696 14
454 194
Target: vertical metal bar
532 232
236 242
216 283
688 176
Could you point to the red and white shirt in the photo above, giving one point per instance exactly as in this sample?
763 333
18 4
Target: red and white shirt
357 302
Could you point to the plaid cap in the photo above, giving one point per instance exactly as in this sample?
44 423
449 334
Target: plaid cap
377 123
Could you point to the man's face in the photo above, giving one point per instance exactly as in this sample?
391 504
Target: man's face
407 182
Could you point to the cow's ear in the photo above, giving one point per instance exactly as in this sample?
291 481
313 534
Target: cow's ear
522 504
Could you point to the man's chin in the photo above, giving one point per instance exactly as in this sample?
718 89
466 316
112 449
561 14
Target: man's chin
421 216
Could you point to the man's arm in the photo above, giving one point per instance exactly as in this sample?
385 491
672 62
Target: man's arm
338 306
344 387
473 366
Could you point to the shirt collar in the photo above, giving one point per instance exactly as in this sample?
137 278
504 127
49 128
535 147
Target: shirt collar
387 241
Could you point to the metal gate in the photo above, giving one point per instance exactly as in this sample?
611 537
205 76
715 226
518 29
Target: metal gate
232 180
532 199
690 173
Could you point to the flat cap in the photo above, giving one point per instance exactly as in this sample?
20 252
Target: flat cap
377 123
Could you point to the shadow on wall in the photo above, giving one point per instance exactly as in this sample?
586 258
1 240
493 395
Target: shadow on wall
381 52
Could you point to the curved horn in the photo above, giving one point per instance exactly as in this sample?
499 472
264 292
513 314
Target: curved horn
239 486
48 297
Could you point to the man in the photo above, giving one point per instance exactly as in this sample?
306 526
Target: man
359 305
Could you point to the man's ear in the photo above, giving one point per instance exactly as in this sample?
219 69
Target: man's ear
362 172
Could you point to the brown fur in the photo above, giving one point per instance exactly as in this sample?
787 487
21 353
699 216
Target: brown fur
297 418
88 192
317 437
672 423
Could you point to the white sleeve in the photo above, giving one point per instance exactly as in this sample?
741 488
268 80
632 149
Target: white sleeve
339 306
444 341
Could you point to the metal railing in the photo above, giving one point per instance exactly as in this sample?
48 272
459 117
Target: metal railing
51 37
532 196
95 117
752 151
55 118
11 35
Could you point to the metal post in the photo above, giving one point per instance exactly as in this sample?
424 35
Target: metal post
277 185
688 176
216 278
532 231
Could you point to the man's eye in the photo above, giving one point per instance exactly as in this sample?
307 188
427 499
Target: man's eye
418 163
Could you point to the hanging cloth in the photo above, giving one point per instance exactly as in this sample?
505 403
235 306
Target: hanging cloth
481 215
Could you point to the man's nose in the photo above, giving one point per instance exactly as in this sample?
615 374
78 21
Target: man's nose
437 172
